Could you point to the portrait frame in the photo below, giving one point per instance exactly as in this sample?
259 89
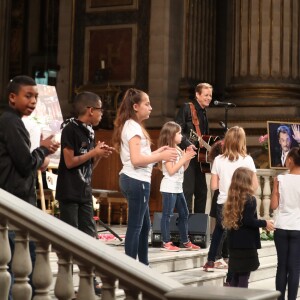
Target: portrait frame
286 129
107 5
113 49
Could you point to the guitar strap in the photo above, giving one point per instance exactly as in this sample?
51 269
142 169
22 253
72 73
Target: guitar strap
195 119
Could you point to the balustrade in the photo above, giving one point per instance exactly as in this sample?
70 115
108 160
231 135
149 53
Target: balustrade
91 255
264 191
5 257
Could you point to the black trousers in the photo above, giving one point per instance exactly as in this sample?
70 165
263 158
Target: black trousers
79 215
194 184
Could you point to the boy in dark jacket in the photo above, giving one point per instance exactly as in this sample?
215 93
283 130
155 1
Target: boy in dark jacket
18 166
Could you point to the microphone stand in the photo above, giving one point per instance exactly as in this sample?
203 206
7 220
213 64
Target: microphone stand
226 118
227 107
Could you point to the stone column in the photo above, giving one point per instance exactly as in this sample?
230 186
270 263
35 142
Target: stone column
265 53
165 55
200 40
199 46
65 53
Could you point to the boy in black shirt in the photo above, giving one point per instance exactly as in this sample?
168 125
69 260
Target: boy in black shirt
79 155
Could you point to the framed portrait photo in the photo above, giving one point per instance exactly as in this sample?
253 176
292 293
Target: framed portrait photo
282 136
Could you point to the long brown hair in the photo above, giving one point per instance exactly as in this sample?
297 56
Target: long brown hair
234 143
167 134
125 112
240 187
167 137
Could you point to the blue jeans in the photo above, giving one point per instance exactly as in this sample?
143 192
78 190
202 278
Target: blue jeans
171 201
137 193
287 244
217 235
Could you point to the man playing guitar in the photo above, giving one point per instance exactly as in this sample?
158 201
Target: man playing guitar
194 183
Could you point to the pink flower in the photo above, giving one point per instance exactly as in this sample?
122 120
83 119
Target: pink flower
263 138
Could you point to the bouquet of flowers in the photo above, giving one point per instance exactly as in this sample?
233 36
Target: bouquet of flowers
263 140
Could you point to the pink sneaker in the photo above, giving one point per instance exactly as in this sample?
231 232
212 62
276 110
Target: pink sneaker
189 246
169 247
209 266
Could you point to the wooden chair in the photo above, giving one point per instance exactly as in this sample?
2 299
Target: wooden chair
46 195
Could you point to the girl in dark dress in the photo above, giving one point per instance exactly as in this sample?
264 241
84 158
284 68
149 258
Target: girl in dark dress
240 219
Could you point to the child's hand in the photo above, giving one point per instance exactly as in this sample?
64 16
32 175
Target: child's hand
169 154
270 225
191 148
103 150
50 144
45 164
188 155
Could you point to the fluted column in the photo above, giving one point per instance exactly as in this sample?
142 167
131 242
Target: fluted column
200 40
265 52
199 46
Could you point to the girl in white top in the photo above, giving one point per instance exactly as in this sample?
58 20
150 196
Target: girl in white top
286 197
171 188
133 142
234 155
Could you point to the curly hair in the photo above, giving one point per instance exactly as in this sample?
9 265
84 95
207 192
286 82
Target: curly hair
240 188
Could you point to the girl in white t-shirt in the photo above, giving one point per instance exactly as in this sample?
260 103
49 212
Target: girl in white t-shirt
286 197
133 142
171 188
234 155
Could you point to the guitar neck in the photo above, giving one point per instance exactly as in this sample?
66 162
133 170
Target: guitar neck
205 145
201 141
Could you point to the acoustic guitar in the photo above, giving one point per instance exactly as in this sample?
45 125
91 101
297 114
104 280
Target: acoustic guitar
205 143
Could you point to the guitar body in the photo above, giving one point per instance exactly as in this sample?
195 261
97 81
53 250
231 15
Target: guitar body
205 165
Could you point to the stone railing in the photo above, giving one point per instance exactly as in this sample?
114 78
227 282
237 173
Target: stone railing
72 246
264 191
92 257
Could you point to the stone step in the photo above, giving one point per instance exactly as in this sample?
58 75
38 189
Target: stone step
198 277
186 267
268 283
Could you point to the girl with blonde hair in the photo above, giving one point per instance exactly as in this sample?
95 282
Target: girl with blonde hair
240 220
234 155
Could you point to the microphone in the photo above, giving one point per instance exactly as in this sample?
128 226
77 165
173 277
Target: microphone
218 103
